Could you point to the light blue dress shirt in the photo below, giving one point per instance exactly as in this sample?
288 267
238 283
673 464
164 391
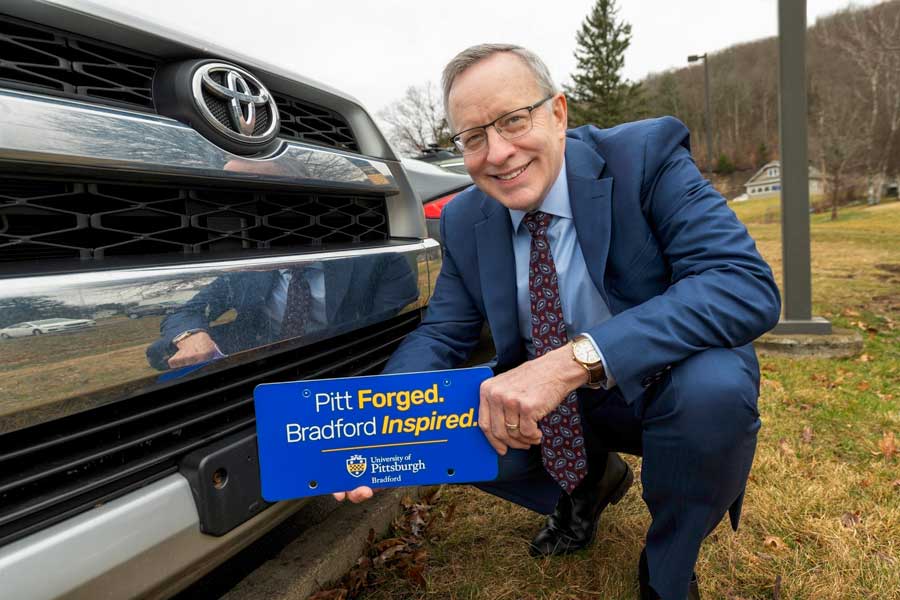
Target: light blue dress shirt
582 304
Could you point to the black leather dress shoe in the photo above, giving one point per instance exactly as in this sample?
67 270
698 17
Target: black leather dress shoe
648 593
573 524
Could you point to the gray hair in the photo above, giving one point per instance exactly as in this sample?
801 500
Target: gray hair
474 54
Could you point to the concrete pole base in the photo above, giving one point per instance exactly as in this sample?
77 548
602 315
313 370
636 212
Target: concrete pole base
811 326
840 343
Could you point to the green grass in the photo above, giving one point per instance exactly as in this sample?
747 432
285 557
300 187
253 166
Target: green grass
822 513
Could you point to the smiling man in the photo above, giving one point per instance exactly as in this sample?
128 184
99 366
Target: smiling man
622 295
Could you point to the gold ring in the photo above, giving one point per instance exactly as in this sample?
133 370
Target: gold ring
512 427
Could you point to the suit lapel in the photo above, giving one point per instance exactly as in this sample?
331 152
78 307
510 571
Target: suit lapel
497 268
591 201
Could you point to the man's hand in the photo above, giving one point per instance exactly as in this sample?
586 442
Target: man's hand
193 349
360 494
513 402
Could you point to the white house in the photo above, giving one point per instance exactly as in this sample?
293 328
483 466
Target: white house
767 181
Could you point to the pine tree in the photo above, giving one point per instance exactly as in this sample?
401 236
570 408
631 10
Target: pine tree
599 95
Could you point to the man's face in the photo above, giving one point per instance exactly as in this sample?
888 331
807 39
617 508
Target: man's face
518 172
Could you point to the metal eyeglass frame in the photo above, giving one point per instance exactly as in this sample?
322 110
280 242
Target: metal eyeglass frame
459 145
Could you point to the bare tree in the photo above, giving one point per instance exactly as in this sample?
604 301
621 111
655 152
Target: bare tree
416 121
839 138
868 40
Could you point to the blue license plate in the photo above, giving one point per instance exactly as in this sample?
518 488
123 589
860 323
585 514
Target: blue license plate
331 435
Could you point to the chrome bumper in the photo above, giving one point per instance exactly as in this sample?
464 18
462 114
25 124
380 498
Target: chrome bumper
145 544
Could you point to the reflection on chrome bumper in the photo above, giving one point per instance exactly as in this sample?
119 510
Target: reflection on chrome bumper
126 548
239 303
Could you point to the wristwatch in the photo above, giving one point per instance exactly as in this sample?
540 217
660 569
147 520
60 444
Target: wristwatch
184 335
584 353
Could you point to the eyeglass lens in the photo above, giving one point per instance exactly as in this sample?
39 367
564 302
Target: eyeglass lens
509 127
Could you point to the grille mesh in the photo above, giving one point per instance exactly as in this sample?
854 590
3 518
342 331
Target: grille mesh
63 219
314 124
47 61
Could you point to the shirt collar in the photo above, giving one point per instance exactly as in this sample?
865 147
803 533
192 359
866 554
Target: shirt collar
556 203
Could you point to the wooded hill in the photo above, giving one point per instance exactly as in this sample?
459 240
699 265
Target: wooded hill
853 62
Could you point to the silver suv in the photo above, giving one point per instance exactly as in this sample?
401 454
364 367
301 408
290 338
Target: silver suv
268 215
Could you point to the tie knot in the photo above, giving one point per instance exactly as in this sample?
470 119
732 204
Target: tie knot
537 223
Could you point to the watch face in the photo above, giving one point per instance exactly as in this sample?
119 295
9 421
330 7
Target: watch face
584 351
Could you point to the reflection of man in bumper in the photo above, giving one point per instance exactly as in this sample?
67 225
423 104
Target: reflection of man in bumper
319 297
622 294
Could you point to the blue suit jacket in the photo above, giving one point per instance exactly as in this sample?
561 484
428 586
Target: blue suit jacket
677 269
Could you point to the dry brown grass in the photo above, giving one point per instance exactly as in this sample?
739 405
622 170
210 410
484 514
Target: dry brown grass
822 513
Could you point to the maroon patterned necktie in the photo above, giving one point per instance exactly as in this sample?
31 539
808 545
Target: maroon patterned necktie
562 445
298 305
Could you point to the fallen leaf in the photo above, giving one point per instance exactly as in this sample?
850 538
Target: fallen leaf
864 358
850 519
807 435
888 445
774 543
885 557
896 483
867 482
786 449
849 312
863 386
388 543
388 554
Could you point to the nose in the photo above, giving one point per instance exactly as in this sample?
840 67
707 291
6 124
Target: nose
499 149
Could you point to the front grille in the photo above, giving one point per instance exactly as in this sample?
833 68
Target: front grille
50 61
53 471
42 219
53 62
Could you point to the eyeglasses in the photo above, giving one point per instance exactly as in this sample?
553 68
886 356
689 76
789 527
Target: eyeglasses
509 126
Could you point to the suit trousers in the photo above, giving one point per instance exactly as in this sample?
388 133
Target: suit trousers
696 431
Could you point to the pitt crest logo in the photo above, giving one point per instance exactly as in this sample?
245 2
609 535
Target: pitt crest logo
356 465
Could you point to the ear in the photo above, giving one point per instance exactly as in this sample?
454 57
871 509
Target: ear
560 110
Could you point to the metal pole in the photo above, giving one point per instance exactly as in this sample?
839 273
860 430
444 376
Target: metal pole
709 145
797 287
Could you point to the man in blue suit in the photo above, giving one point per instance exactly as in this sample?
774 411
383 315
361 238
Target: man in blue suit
660 289
343 293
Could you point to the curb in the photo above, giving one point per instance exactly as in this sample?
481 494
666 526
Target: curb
324 553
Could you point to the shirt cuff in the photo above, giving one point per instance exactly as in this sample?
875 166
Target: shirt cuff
609 381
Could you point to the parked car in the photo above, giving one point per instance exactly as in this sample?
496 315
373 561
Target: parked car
138 162
435 187
446 158
42 326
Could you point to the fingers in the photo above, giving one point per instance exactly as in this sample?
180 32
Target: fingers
517 437
498 422
486 422
357 495
360 494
